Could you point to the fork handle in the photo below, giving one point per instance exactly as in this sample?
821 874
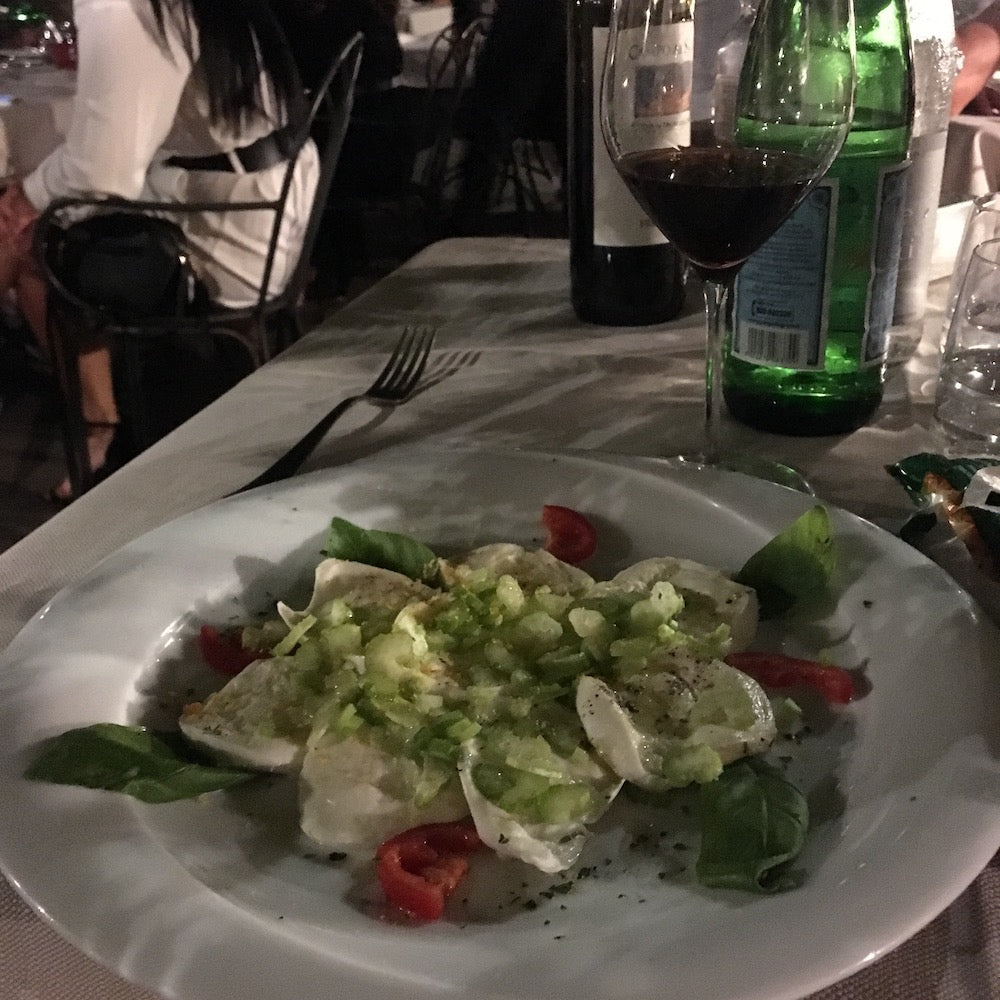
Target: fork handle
288 464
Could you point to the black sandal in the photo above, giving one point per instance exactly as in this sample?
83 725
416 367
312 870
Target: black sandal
114 458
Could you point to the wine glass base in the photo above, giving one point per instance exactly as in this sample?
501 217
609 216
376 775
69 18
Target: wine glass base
749 465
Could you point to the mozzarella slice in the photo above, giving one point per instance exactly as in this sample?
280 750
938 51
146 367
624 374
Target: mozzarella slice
532 568
252 720
359 586
550 847
679 723
353 795
708 593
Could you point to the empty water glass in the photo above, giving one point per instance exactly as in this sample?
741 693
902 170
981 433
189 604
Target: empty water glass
967 404
981 224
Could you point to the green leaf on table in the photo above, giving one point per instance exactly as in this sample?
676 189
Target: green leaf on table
753 825
385 549
129 759
797 562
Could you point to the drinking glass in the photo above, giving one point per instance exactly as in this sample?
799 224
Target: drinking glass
981 224
717 185
967 403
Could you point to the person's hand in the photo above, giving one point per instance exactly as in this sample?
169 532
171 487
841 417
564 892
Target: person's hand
979 42
16 212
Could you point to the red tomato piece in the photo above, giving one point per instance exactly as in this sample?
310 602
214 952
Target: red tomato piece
571 537
420 868
777 670
224 652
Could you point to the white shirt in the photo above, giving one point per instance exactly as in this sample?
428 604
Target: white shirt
137 103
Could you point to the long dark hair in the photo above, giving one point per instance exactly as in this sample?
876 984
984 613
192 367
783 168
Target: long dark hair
237 39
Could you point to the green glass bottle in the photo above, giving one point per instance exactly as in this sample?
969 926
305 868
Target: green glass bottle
811 312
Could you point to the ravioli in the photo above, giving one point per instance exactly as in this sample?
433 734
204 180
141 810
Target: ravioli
353 795
679 722
521 691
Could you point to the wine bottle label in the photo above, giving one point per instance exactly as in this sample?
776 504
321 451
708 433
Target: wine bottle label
782 298
657 70
618 218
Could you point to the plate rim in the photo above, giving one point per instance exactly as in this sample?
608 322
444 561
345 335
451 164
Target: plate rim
411 453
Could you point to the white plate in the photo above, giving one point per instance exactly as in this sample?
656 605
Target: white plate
219 898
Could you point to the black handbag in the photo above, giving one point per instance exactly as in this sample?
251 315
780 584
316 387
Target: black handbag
125 266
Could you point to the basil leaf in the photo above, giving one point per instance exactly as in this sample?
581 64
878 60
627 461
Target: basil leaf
128 759
385 549
753 823
797 562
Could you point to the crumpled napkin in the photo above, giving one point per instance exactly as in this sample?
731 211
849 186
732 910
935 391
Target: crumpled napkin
957 523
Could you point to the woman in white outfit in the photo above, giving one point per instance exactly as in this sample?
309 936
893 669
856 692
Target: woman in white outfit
177 100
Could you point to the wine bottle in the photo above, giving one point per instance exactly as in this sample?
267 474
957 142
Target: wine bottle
623 272
812 308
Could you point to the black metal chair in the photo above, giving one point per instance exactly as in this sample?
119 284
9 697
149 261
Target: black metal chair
513 121
376 231
258 331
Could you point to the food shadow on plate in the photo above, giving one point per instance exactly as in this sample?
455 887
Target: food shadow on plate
636 852
178 674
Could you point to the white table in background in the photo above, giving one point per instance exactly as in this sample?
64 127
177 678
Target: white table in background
36 105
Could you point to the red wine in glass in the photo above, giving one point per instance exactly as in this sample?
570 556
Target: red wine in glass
717 205
719 185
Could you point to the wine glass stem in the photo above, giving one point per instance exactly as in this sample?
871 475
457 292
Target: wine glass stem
716 298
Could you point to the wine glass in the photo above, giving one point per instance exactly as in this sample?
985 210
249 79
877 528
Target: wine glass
719 182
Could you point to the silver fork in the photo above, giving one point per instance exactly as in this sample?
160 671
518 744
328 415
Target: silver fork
395 384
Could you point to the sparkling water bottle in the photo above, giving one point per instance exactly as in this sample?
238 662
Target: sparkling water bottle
813 307
935 63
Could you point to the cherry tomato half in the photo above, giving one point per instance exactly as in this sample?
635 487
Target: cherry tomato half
420 868
571 537
223 651
777 670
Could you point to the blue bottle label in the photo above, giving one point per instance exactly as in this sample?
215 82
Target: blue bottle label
782 293
778 310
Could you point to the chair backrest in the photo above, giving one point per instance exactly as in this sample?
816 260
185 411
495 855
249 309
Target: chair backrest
331 103
73 314
329 116
450 65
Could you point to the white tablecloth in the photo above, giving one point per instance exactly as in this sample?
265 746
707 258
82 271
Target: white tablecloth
539 379
424 18
35 112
